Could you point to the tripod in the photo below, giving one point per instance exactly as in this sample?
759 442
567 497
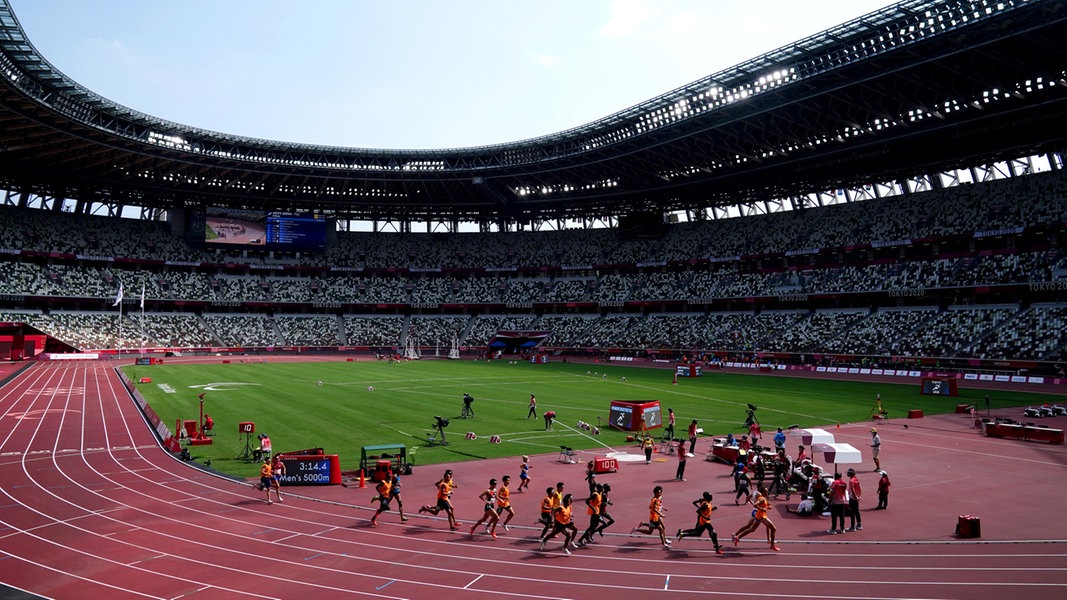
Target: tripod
246 454
878 412
467 412
438 431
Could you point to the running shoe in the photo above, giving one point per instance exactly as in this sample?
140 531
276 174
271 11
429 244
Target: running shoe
405 518
736 540
719 550
473 527
541 546
493 534
833 531
454 527
678 536
775 548
859 527
566 551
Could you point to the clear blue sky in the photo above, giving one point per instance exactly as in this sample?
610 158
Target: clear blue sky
406 73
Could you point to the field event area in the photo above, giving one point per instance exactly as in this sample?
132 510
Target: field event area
340 406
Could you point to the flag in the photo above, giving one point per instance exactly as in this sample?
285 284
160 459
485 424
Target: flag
118 299
142 295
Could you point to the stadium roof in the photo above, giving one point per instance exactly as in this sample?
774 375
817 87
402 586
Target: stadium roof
918 87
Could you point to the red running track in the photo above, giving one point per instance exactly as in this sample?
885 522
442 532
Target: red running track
90 506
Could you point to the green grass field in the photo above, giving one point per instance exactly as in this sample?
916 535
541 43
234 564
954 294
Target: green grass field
286 402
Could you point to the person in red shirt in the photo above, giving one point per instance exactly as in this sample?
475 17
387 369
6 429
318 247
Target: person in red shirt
838 504
883 492
679 475
550 416
277 469
854 497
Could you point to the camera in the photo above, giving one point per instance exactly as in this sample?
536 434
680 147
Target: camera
467 399
441 422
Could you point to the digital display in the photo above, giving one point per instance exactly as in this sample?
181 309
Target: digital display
306 471
296 230
652 416
621 416
267 230
937 387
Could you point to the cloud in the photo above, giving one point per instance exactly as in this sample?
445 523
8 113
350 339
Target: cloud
547 60
626 18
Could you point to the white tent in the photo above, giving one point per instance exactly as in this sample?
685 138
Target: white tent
844 454
814 436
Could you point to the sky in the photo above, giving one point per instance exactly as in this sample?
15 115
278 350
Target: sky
414 74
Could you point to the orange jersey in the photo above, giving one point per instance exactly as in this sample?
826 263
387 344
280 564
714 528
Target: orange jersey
503 497
594 504
654 508
563 515
762 506
548 503
383 488
444 490
265 470
704 513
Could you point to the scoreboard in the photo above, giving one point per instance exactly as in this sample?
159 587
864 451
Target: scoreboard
322 469
939 386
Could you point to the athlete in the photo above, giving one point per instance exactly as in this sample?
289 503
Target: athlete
704 510
656 512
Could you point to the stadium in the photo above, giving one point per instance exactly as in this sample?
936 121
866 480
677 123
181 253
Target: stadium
882 205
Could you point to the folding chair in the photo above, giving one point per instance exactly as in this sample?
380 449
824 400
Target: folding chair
566 455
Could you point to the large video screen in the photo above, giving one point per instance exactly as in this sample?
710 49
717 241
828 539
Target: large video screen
265 229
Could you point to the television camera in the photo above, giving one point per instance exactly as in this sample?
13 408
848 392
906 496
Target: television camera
468 410
750 416
438 435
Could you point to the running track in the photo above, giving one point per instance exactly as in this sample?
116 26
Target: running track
91 506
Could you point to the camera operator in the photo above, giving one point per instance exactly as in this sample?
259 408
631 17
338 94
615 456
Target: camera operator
468 410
